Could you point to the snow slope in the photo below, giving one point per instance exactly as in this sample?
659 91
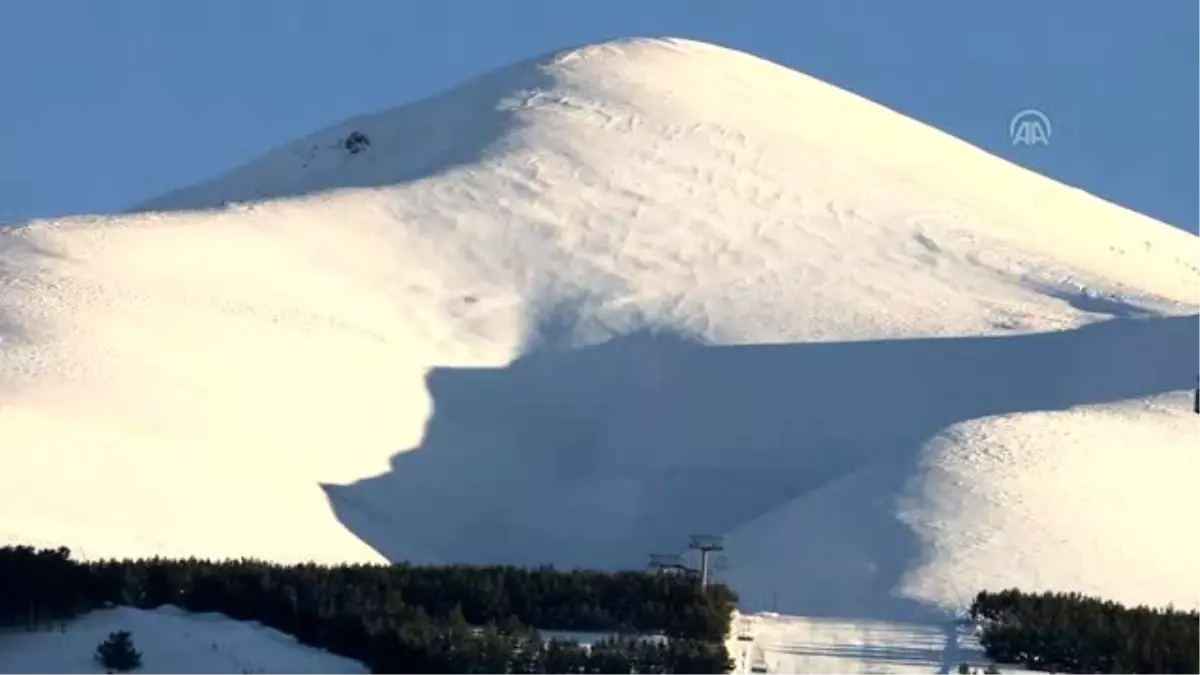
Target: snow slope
582 307
170 641
788 644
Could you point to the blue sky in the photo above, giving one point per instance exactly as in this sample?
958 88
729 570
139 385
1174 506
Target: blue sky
106 103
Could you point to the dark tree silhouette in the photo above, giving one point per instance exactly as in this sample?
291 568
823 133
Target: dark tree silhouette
400 618
1070 633
117 654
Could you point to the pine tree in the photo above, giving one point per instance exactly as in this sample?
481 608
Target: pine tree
458 621
117 653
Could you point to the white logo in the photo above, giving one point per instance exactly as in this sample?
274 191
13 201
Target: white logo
1029 127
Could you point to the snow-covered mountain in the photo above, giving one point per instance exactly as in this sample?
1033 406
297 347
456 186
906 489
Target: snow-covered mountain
578 309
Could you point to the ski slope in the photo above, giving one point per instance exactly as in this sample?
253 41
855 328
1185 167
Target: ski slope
170 641
771 643
577 309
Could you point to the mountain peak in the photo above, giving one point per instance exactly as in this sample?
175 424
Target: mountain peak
576 309
477 118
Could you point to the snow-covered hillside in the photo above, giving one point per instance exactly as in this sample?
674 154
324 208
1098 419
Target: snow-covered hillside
772 643
170 641
582 307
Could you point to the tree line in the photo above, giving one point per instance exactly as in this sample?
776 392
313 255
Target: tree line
403 618
1071 633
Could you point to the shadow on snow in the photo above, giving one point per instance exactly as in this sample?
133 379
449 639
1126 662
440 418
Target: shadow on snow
596 457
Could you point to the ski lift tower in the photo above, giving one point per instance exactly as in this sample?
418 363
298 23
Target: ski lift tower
705 544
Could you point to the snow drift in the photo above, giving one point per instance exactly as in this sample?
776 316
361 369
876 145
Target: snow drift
582 307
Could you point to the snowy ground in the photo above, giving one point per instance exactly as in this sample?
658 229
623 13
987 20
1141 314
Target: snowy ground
772 643
665 288
171 641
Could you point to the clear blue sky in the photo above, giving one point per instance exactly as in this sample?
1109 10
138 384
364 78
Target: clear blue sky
104 103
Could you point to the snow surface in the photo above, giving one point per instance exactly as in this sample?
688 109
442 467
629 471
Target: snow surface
786 644
578 309
171 641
